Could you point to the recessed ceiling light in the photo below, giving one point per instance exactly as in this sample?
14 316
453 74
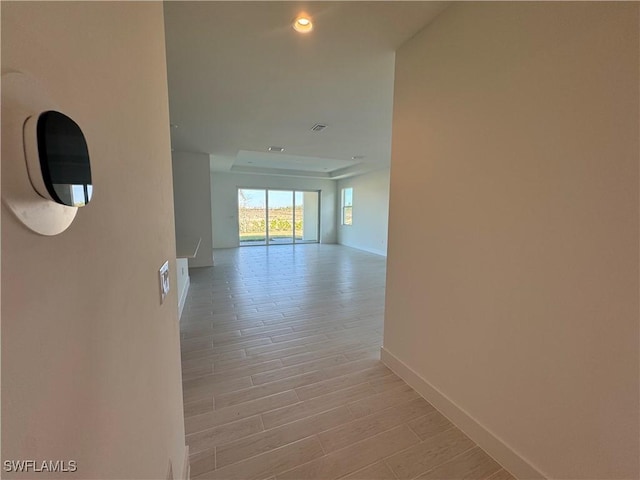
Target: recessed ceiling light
357 157
276 149
303 24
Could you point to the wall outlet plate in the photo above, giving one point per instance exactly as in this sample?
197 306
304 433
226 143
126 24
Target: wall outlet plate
163 274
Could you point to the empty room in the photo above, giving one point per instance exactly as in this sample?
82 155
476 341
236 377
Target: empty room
320 240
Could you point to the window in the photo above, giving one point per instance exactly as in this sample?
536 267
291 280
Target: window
271 216
347 206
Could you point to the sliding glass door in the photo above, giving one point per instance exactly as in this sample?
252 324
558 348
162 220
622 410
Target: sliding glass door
252 216
280 216
270 216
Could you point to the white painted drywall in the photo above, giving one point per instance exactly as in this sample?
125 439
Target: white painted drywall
192 203
224 202
310 212
90 359
512 281
182 272
370 212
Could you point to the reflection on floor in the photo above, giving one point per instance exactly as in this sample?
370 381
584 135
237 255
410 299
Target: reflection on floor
273 241
282 377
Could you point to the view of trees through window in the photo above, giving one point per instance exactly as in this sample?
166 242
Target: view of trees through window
347 206
277 216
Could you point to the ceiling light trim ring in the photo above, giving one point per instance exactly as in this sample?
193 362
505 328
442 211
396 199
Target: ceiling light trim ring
303 24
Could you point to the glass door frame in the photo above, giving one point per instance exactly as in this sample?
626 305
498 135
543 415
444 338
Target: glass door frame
292 196
266 194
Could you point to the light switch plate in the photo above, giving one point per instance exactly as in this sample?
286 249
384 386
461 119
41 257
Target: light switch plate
164 281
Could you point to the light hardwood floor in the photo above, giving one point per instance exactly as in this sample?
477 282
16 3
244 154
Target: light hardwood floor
282 377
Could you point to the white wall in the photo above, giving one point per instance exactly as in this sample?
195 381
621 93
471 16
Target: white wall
514 300
310 206
224 203
192 203
182 272
370 212
90 359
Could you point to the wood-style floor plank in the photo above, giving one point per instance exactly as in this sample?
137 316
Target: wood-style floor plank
261 391
377 471
279 436
383 400
502 474
269 463
354 457
282 377
207 439
430 425
429 453
241 410
473 464
338 383
352 432
315 405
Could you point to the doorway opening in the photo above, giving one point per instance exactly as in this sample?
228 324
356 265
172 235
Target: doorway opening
278 217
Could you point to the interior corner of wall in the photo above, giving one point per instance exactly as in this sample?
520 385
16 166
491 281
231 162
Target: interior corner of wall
504 454
185 471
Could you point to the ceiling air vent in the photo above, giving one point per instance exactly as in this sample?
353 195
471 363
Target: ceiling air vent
318 127
276 149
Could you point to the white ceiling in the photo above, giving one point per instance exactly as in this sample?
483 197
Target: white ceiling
241 80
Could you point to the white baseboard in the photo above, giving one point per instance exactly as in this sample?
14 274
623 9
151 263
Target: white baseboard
186 470
183 298
364 249
489 442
